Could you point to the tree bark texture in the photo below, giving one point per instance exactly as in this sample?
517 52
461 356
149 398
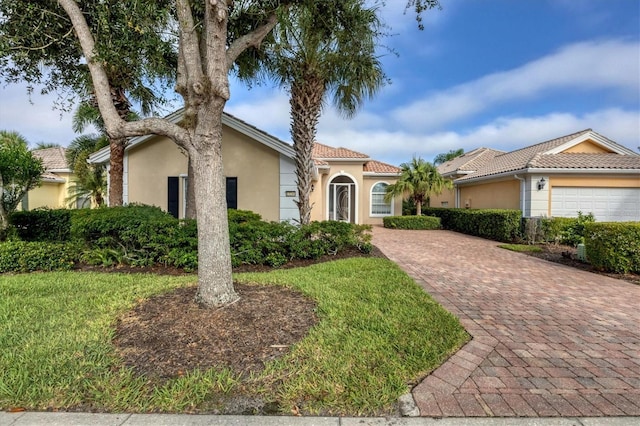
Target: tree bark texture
215 284
306 106
116 171
191 191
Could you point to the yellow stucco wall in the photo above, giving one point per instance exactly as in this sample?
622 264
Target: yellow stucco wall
369 182
493 195
51 195
587 147
256 166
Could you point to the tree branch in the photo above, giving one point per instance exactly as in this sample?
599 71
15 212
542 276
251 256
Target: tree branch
254 38
190 61
98 75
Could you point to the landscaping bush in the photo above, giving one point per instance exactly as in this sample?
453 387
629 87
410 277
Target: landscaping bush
23 256
559 230
494 224
613 246
42 224
240 216
411 222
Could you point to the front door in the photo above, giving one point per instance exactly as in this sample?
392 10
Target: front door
342 196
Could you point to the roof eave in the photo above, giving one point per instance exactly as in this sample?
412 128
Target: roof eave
353 160
594 136
532 170
384 174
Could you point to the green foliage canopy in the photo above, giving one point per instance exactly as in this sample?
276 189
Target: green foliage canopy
20 171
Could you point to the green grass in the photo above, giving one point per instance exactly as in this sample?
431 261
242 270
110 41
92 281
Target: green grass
378 333
521 248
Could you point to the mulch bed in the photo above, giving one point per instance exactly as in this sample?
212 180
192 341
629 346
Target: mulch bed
170 334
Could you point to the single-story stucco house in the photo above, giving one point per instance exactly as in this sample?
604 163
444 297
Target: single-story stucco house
583 171
53 190
260 174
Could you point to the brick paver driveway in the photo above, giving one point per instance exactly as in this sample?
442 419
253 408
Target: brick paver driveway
548 340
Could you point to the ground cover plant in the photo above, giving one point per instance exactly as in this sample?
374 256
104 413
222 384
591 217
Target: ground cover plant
373 332
521 247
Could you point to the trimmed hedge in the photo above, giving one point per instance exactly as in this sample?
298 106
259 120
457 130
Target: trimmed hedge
411 222
493 224
613 246
143 236
23 256
42 224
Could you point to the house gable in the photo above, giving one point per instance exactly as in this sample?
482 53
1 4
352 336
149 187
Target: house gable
588 147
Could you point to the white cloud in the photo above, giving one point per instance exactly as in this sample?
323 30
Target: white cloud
582 66
505 133
37 120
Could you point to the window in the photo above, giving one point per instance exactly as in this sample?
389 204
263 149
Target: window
378 206
232 192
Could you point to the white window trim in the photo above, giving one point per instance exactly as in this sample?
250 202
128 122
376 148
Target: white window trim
371 201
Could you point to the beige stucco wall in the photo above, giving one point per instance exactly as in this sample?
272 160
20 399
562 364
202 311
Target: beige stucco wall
492 195
587 147
255 165
369 182
448 196
148 166
319 197
257 168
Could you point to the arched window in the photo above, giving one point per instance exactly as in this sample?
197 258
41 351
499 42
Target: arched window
378 206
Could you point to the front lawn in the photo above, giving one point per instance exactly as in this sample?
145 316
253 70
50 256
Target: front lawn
377 334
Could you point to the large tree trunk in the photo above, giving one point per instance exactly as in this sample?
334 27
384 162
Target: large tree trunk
191 192
116 171
215 284
306 105
116 147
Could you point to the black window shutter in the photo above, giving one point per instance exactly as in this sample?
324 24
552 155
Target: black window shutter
232 192
173 195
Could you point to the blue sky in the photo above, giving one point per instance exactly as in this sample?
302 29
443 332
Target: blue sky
495 73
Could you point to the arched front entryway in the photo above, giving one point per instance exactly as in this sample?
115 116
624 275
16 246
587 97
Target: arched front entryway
342 199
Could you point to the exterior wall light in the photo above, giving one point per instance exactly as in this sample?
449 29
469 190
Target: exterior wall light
541 183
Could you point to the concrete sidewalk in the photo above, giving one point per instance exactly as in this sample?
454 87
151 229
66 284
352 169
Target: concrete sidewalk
81 419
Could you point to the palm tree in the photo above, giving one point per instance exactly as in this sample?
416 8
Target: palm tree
447 156
90 179
318 50
418 179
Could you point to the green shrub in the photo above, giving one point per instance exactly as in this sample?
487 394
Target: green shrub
23 256
240 216
42 224
613 246
565 230
411 222
494 224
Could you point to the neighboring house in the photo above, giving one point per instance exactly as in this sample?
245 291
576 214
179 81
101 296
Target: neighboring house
583 171
55 182
260 175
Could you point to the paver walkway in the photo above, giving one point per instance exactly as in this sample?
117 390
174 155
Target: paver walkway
548 340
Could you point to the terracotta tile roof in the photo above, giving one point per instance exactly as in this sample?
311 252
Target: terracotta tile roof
520 158
469 161
320 162
52 158
380 167
585 161
322 151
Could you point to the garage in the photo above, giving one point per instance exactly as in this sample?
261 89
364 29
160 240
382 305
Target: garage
607 204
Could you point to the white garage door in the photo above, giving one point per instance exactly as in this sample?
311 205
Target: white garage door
607 204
